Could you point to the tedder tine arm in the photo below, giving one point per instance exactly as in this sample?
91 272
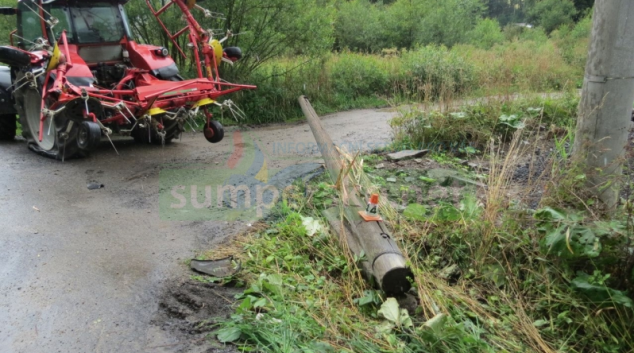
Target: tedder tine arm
172 37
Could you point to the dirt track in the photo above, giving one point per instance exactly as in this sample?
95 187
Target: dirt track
84 271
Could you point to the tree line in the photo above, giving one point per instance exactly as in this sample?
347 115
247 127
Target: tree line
266 29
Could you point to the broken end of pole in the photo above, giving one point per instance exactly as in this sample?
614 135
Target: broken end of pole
397 281
389 266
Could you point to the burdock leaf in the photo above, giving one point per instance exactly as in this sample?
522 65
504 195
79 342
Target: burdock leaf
600 294
391 311
229 334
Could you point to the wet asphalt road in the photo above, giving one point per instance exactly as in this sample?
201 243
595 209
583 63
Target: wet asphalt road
82 270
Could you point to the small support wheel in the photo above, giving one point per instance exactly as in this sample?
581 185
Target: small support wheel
88 135
214 131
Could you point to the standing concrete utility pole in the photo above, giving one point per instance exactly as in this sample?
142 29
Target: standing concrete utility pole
608 94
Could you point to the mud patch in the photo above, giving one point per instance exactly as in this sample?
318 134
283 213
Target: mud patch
136 199
189 310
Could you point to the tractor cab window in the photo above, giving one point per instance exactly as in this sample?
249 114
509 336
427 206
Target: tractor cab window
98 23
29 26
63 16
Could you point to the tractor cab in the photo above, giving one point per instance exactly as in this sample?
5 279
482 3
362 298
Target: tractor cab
85 22
98 35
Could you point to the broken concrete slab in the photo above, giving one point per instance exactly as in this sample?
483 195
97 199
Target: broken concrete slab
449 272
478 167
407 154
443 176
221 268
447 177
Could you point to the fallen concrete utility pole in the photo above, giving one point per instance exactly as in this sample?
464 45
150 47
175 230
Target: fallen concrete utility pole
385 261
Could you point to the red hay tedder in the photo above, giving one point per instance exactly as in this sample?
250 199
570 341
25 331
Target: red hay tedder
76 75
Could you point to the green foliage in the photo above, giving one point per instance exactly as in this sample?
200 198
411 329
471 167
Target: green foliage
595 289
507 11
391 311
551 14
508 124
449 21
415 212
473 126
537 35
486 34
349 80
266 29
7 23
565 236
361 26
582 29
573 41
355 76
403 23
432 72
371 27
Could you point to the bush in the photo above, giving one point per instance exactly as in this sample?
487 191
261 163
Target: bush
573 41
360 26
356 75
486 34
279 86
432 72
537 35
520 66
551 14
351 80
477 124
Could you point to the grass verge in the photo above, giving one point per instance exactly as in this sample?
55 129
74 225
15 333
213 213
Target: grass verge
494 271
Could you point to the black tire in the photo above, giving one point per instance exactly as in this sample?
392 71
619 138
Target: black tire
233 53
214 132
88 135
172 129
8 126
28 103
14 57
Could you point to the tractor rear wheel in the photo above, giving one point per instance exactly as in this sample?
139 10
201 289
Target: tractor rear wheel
59 134
8 126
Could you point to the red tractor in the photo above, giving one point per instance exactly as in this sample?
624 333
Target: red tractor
77 75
